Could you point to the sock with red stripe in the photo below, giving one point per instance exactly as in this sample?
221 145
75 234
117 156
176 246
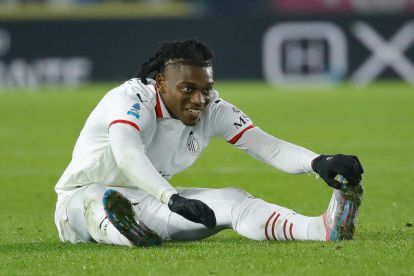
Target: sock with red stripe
259 220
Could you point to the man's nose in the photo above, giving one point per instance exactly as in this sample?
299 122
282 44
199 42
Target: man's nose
198 98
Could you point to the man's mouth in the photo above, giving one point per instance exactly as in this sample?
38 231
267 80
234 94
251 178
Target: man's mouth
193 111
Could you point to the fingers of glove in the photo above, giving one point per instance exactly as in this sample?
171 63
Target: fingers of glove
186 209
352 177
198 212
208 217
353 160
335 184
351 173
347 166
359 165
205 214
194 211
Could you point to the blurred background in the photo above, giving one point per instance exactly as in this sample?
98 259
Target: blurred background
350 64
284 42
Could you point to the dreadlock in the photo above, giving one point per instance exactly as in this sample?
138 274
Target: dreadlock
190 51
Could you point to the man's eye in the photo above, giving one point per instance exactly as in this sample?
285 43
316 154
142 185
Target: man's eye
187 89
206 92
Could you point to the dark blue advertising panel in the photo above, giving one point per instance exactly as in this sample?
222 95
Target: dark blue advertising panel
282 50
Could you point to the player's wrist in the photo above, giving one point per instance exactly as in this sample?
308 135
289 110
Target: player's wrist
172 199
314 163
166 196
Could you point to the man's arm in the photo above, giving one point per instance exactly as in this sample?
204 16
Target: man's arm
237 128
128 150
295 159
276 152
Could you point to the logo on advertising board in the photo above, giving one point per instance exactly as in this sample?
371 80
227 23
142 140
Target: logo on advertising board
307 53
22 72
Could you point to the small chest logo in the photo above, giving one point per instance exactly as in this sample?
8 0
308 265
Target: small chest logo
134 110
193 144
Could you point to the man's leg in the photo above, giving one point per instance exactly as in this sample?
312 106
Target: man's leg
86 217
259 220
248 216
102 214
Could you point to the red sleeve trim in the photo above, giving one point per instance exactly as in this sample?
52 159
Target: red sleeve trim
237 137
134 125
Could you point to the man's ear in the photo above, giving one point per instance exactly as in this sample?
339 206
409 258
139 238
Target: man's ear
160 82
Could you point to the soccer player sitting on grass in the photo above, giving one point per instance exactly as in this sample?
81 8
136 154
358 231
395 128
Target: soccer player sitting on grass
116 190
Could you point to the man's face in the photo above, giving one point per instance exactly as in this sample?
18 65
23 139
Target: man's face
185 90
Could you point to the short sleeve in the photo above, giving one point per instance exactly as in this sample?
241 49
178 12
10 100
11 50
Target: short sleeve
227 121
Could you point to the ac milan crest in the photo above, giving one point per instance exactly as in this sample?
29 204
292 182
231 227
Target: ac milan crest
193 144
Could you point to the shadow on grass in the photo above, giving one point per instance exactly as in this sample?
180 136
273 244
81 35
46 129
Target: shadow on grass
57 246
231 240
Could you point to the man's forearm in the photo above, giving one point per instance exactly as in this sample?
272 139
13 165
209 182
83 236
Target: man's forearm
276 152
129 154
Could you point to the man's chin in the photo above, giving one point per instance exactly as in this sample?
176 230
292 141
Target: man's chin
190 120
189 123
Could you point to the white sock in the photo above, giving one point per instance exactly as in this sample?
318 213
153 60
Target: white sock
259 220
99 227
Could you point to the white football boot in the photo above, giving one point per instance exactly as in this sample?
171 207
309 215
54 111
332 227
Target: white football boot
340 217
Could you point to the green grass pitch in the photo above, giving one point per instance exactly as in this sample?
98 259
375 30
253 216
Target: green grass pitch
39 129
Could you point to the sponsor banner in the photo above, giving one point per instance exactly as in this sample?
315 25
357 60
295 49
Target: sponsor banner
283 50
324 6
300 6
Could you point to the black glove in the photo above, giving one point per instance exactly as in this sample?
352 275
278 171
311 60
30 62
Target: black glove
329 166
193 210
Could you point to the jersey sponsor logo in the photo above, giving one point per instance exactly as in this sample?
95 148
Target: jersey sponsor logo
243 120
134 110
235 110
193 145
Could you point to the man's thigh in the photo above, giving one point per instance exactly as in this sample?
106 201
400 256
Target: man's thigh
221 201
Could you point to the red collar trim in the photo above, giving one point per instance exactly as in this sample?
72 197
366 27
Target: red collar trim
161 110
158 109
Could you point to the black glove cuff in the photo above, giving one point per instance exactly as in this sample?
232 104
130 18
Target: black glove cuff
172 199
314 163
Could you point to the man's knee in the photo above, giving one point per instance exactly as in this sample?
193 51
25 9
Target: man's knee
234 194
94 190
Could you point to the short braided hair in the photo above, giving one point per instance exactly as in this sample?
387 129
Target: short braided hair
190 51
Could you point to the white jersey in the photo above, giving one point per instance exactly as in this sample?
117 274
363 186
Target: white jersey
170 145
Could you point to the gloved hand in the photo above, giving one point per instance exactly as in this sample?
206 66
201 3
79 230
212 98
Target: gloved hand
193 210
329 166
